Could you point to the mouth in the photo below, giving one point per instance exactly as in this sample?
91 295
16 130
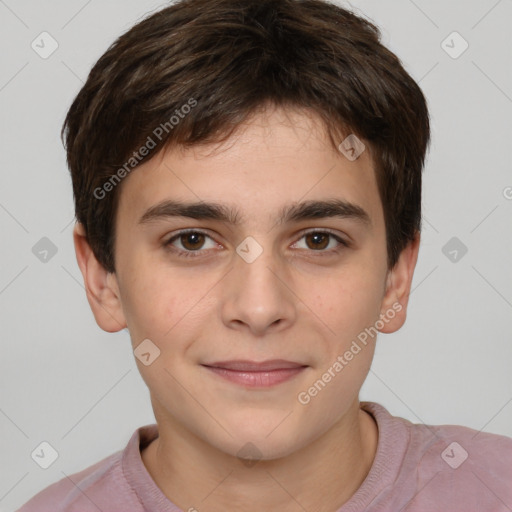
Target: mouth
255 374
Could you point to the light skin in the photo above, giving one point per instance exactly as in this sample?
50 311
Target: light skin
305 299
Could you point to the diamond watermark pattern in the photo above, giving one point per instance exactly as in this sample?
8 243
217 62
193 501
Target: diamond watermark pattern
454 250
454 455
249 250
454 45
44 45
146 352
44 250
352 147
44 455
249 454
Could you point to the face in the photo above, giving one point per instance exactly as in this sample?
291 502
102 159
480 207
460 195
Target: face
262 278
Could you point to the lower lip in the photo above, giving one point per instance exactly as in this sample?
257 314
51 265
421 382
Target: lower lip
257 379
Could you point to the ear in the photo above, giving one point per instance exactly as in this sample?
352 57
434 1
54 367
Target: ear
398 288
101 286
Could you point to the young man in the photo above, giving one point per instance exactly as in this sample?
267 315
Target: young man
247 183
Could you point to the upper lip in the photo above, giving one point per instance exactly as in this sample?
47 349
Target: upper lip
255 366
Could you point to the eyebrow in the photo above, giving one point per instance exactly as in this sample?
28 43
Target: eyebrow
294 212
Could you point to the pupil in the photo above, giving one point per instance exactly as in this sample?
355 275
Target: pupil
192 240
318 237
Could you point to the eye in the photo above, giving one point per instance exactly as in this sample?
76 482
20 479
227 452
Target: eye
319 241
191 241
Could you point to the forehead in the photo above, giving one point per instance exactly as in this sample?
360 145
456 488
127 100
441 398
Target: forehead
274 159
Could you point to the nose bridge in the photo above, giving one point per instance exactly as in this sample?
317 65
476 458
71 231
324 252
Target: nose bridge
256 264
256 267
258 295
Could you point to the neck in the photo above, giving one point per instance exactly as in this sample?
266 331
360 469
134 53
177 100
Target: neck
319 477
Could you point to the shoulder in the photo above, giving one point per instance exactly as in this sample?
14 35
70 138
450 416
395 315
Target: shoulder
455 445
77 489
449 467
457 464
107 485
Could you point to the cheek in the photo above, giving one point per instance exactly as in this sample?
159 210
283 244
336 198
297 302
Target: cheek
348 300
150 303
165 307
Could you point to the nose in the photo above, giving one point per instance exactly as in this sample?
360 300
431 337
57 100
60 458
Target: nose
259 295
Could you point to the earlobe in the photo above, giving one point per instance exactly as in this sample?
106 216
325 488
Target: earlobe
398 288
101 286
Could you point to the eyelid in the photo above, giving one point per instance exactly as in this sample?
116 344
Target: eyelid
343 240
182 232
335 234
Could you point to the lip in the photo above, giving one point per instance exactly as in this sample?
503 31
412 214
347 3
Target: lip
243 365
256 374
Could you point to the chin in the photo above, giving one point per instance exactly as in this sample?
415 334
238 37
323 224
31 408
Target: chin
257 440
251 451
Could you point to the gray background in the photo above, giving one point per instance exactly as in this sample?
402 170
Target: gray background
65 381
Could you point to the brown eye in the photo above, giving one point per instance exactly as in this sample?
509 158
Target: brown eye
317 240
192 241
322 242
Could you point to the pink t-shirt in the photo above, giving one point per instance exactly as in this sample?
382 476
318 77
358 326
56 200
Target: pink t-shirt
416 468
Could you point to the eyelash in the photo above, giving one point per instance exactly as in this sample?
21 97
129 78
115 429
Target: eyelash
197 253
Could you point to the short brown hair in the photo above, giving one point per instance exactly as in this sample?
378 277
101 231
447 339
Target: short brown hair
228 58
